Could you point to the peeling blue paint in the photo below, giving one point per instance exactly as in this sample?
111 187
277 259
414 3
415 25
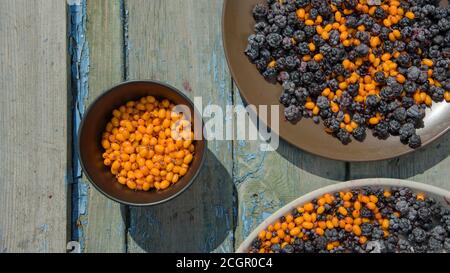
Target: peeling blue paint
79 52
126 41
258 210
250 174
250 157
44 228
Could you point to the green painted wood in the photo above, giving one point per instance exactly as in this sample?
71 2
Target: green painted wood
179 42
430 164
33 118
266 181
102 224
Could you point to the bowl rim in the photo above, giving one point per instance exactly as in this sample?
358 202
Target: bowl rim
91 107
352 184
312 151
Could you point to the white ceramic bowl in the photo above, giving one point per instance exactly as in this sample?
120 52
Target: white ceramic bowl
440 195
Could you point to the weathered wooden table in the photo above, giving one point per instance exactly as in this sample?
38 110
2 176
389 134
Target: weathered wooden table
53 65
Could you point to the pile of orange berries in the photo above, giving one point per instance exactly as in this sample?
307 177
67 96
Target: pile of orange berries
314 219
148 145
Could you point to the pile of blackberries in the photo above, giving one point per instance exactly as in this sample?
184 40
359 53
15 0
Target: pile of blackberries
353 65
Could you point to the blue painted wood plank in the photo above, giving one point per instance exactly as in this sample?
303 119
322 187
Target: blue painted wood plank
179 42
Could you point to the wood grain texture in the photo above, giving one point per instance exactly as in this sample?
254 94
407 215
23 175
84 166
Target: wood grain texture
33 118
179 42
266 181
430 164
103 226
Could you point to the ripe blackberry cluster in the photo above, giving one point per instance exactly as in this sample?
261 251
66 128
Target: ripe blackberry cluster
394 220
355 65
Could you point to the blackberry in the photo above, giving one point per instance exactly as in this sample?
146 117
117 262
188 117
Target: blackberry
404 225
377 233
261 27
402 206
359 134
292 113
415 113
308 247
256 244
362 50
313 13
394 127
353 89
280 21
287 249
343 136
287 43
372 101
366 229
404 60
283 76
424 214
400 114
410 87
313 65
412 214
333 124
351 22
445 221
387 93
439 233
434 244
260 12
404 246
407 102
379 13
418 235
289 87
303 49
310 31
270 74
446 244
379 78
366 213
407 130
415 141
381 130
299 36
298 245
276 248
323 102
413 73
320 243
334 38
393 105
292 62
437 93
252 53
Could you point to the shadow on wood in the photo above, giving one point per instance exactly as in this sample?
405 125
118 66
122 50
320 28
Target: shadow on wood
199 220
406 166
316 165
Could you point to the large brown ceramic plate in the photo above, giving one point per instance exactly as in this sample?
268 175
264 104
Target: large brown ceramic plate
238 24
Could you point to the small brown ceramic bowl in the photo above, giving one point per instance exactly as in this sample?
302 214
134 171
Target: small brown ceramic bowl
238 24
90 150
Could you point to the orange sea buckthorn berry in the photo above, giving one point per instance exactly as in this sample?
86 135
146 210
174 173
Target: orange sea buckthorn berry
427 62
410 15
